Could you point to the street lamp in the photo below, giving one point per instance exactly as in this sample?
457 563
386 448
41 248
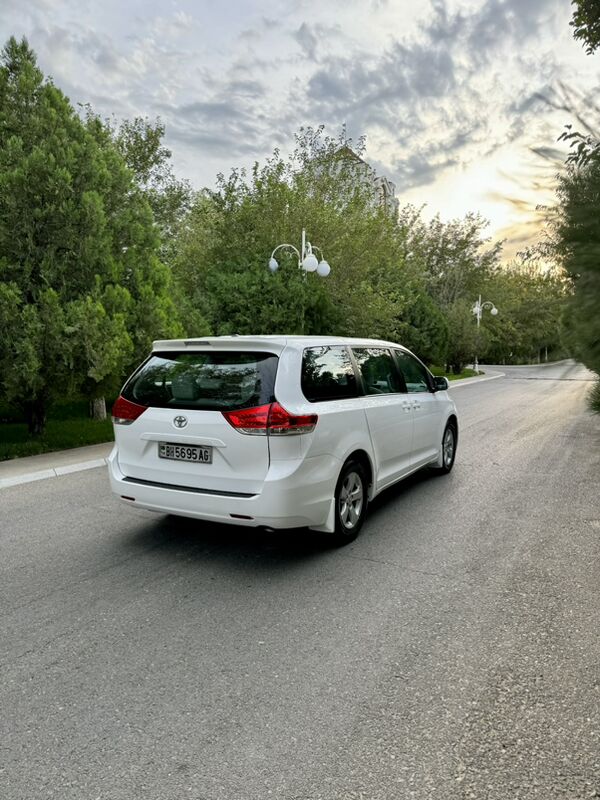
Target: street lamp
307 260
478 311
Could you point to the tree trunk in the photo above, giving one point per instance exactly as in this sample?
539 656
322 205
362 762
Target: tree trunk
35 413
98 408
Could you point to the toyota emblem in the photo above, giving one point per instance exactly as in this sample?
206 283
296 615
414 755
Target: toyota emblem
180 422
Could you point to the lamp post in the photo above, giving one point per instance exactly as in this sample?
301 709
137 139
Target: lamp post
478 311
307 261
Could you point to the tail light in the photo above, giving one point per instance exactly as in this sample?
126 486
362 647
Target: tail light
271 419
281 422
124 412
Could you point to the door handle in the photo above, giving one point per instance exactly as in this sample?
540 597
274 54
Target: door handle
416 405
406 405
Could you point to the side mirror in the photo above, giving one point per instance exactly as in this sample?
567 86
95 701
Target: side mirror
440 384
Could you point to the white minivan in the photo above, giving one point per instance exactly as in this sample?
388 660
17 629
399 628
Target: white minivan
277 431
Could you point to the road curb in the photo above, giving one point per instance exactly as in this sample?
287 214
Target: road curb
52 472
472 381
566 361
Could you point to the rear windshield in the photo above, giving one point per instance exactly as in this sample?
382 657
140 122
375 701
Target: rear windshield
223 380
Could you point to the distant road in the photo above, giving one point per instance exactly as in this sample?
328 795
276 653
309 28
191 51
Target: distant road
556 370
451 652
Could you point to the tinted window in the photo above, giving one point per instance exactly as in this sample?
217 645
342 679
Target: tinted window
377 369
220 380
413 371
327 374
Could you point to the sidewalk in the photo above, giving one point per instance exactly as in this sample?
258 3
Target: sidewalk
51 465
63 462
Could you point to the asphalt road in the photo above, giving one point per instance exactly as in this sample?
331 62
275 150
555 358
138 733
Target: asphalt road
452 651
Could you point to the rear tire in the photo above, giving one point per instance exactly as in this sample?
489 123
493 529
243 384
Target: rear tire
351 500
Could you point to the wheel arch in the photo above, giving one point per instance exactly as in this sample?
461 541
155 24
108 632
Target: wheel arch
363 458
453 420
355 453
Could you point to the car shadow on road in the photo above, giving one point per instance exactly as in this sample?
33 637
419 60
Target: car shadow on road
407 489
198 540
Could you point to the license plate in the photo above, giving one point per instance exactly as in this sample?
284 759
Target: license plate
185 452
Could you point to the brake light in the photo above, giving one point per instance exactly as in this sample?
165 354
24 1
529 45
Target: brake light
271 419
124 412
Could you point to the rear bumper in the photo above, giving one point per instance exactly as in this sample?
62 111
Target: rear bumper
296 493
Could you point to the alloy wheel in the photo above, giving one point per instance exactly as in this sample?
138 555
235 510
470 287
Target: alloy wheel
448 447
351 500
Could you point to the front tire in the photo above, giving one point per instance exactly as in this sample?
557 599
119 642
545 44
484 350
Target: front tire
351 500
449 442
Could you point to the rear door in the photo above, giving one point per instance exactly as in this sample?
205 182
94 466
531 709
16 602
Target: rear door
183 438
329 383
388 412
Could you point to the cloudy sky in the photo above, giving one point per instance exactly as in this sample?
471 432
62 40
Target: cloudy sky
461 101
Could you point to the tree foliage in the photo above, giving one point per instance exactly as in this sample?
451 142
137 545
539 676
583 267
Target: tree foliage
457 262
140 143
455 256
586 23
531 296
577 245
78 249
224 249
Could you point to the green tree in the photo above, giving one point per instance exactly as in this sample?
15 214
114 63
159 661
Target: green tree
73 228
574 223
455 256
531 297
586 23
577 245
140 143
455 261
464 339
423 328
104 345
325 187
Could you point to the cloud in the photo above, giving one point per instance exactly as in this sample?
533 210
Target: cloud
552 154
499 22
308 40
226 127
436 88
402 73
440 93
420 169
423 91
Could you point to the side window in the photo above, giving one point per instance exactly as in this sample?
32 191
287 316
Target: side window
378 371
328 374
413 371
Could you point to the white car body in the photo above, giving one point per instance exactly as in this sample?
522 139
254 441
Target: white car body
277 481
